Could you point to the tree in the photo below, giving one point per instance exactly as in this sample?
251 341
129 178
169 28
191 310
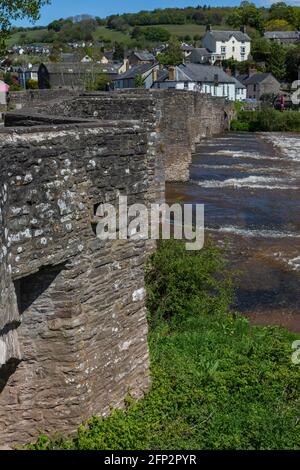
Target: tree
11 11
173 54
276 63
278 25
156 34
139 82
119 52
260 49
292 63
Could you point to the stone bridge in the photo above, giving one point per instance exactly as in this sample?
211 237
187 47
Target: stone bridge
73 329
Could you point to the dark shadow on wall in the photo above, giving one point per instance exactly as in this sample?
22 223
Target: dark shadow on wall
6 371
30 288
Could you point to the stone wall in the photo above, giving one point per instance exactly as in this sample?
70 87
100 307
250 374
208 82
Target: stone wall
183 118
73 331
30 98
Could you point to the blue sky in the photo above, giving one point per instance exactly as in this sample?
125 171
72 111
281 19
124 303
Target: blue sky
102 8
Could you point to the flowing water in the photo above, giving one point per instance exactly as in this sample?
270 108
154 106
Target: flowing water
250 185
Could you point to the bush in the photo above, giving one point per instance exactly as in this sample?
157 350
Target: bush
267 120
218 383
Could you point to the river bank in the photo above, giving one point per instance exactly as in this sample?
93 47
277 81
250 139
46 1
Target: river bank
250 185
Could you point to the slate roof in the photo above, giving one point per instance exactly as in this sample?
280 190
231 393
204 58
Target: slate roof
242 78
144 56
134 71
198 53
238 84
282 34
202 73
75 67
226 35
109 55
257 78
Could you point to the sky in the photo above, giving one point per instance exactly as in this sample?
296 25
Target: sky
64 8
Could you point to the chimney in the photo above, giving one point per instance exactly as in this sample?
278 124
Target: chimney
154 75
172 74
208 27
126 63
229 71
243 29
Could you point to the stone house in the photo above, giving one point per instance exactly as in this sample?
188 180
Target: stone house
259 84
224 45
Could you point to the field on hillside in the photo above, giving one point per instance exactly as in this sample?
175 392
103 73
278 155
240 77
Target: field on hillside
36 36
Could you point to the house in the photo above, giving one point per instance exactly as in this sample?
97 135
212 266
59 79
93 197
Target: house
224 45
67 75
200 55
4 89
240 90
259 84
283 37
140 57
148 72
107 57
206 79
29 73
187 49
86 59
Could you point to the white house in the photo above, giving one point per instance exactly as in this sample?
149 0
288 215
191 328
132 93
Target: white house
240 90
198 77
224 45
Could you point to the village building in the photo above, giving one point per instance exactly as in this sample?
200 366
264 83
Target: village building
196 77
283 37
147 72
259 84
224 45
67 75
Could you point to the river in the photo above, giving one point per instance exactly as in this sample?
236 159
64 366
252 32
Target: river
250 185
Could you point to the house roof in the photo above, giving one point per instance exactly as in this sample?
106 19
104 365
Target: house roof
198 54
202 73
187 48
72 67
257 78
282 34
144 56
137 70
226 35
238 84
242 78
109 55
68 57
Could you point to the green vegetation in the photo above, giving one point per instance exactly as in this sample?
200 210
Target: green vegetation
267 120
12 11
218 383
173 55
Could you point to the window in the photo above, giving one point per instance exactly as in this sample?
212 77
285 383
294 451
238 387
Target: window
233 48
243 49
223 50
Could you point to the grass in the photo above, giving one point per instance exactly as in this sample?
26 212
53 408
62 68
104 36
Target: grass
218 383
